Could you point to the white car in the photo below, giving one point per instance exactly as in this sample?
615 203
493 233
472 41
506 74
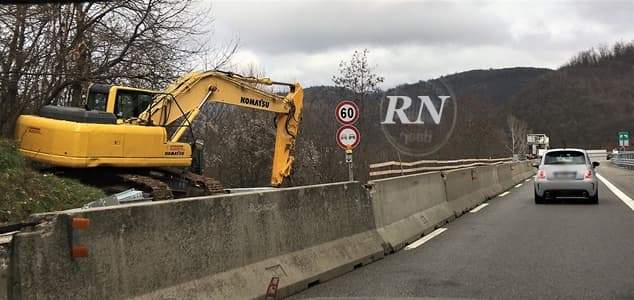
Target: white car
566 173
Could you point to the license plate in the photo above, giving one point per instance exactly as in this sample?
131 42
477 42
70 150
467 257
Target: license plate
565 175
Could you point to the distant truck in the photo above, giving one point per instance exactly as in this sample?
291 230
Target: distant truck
538 143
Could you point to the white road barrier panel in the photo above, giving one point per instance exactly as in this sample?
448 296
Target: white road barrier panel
395 168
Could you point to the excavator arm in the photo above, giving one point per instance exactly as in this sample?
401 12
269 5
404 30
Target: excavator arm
180 104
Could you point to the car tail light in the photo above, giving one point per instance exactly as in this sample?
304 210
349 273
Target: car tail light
587 174
541 174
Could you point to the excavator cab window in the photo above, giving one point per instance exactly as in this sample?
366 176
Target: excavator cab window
97 97
99 102
129 104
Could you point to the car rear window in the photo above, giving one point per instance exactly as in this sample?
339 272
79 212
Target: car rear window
565 158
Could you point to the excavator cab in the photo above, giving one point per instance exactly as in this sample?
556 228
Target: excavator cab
105 104
124 102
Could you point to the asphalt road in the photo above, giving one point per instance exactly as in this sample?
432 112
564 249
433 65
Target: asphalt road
513 249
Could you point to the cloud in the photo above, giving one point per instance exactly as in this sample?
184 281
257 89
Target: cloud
414 40
312 26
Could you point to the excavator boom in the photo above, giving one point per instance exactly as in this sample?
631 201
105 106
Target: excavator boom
181 102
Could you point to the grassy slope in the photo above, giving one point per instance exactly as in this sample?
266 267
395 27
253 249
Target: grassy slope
24 191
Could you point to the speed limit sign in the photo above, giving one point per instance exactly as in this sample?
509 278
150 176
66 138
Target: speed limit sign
347 112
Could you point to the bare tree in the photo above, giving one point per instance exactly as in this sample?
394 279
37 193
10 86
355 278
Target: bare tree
358 75
49 52
219 57
517 130
240 155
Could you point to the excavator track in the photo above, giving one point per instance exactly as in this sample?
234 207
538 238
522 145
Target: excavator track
159 190
165 184
209 184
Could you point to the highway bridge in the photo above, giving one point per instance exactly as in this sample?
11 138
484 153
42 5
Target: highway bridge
468 233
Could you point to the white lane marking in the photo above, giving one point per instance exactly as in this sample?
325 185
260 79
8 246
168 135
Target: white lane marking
618 193
503 194
481 206
424 239
527 180
518 185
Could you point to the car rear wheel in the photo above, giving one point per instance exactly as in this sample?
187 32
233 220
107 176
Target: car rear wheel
594 199
538 199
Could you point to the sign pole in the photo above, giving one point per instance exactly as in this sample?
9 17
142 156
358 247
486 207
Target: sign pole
624 139
349 162
350 172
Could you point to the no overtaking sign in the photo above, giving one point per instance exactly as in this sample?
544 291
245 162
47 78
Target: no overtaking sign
348 136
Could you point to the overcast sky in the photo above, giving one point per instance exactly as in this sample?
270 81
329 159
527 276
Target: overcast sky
414 40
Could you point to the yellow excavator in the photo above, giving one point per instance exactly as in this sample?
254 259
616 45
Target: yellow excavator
131 137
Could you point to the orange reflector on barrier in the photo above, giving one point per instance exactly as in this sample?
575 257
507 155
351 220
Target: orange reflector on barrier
77 227
79 251
80 223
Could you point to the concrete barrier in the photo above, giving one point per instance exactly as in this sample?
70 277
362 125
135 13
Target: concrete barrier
462 189
230 246
5 252
522 170
517 172
488 182
407 207
505 175
223 247
529 170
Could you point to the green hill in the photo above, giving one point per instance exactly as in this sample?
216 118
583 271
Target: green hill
26 191
586 102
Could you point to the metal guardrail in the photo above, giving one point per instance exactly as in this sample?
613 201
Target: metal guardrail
624 159
395 168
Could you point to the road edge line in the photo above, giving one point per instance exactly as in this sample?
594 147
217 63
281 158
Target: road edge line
425 239
617 192
479 207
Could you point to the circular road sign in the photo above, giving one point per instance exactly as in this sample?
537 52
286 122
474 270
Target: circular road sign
347 112
348 136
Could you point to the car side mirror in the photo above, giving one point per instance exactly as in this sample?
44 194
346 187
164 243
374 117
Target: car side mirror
595 164
535 164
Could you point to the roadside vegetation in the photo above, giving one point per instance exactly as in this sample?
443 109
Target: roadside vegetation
26 191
